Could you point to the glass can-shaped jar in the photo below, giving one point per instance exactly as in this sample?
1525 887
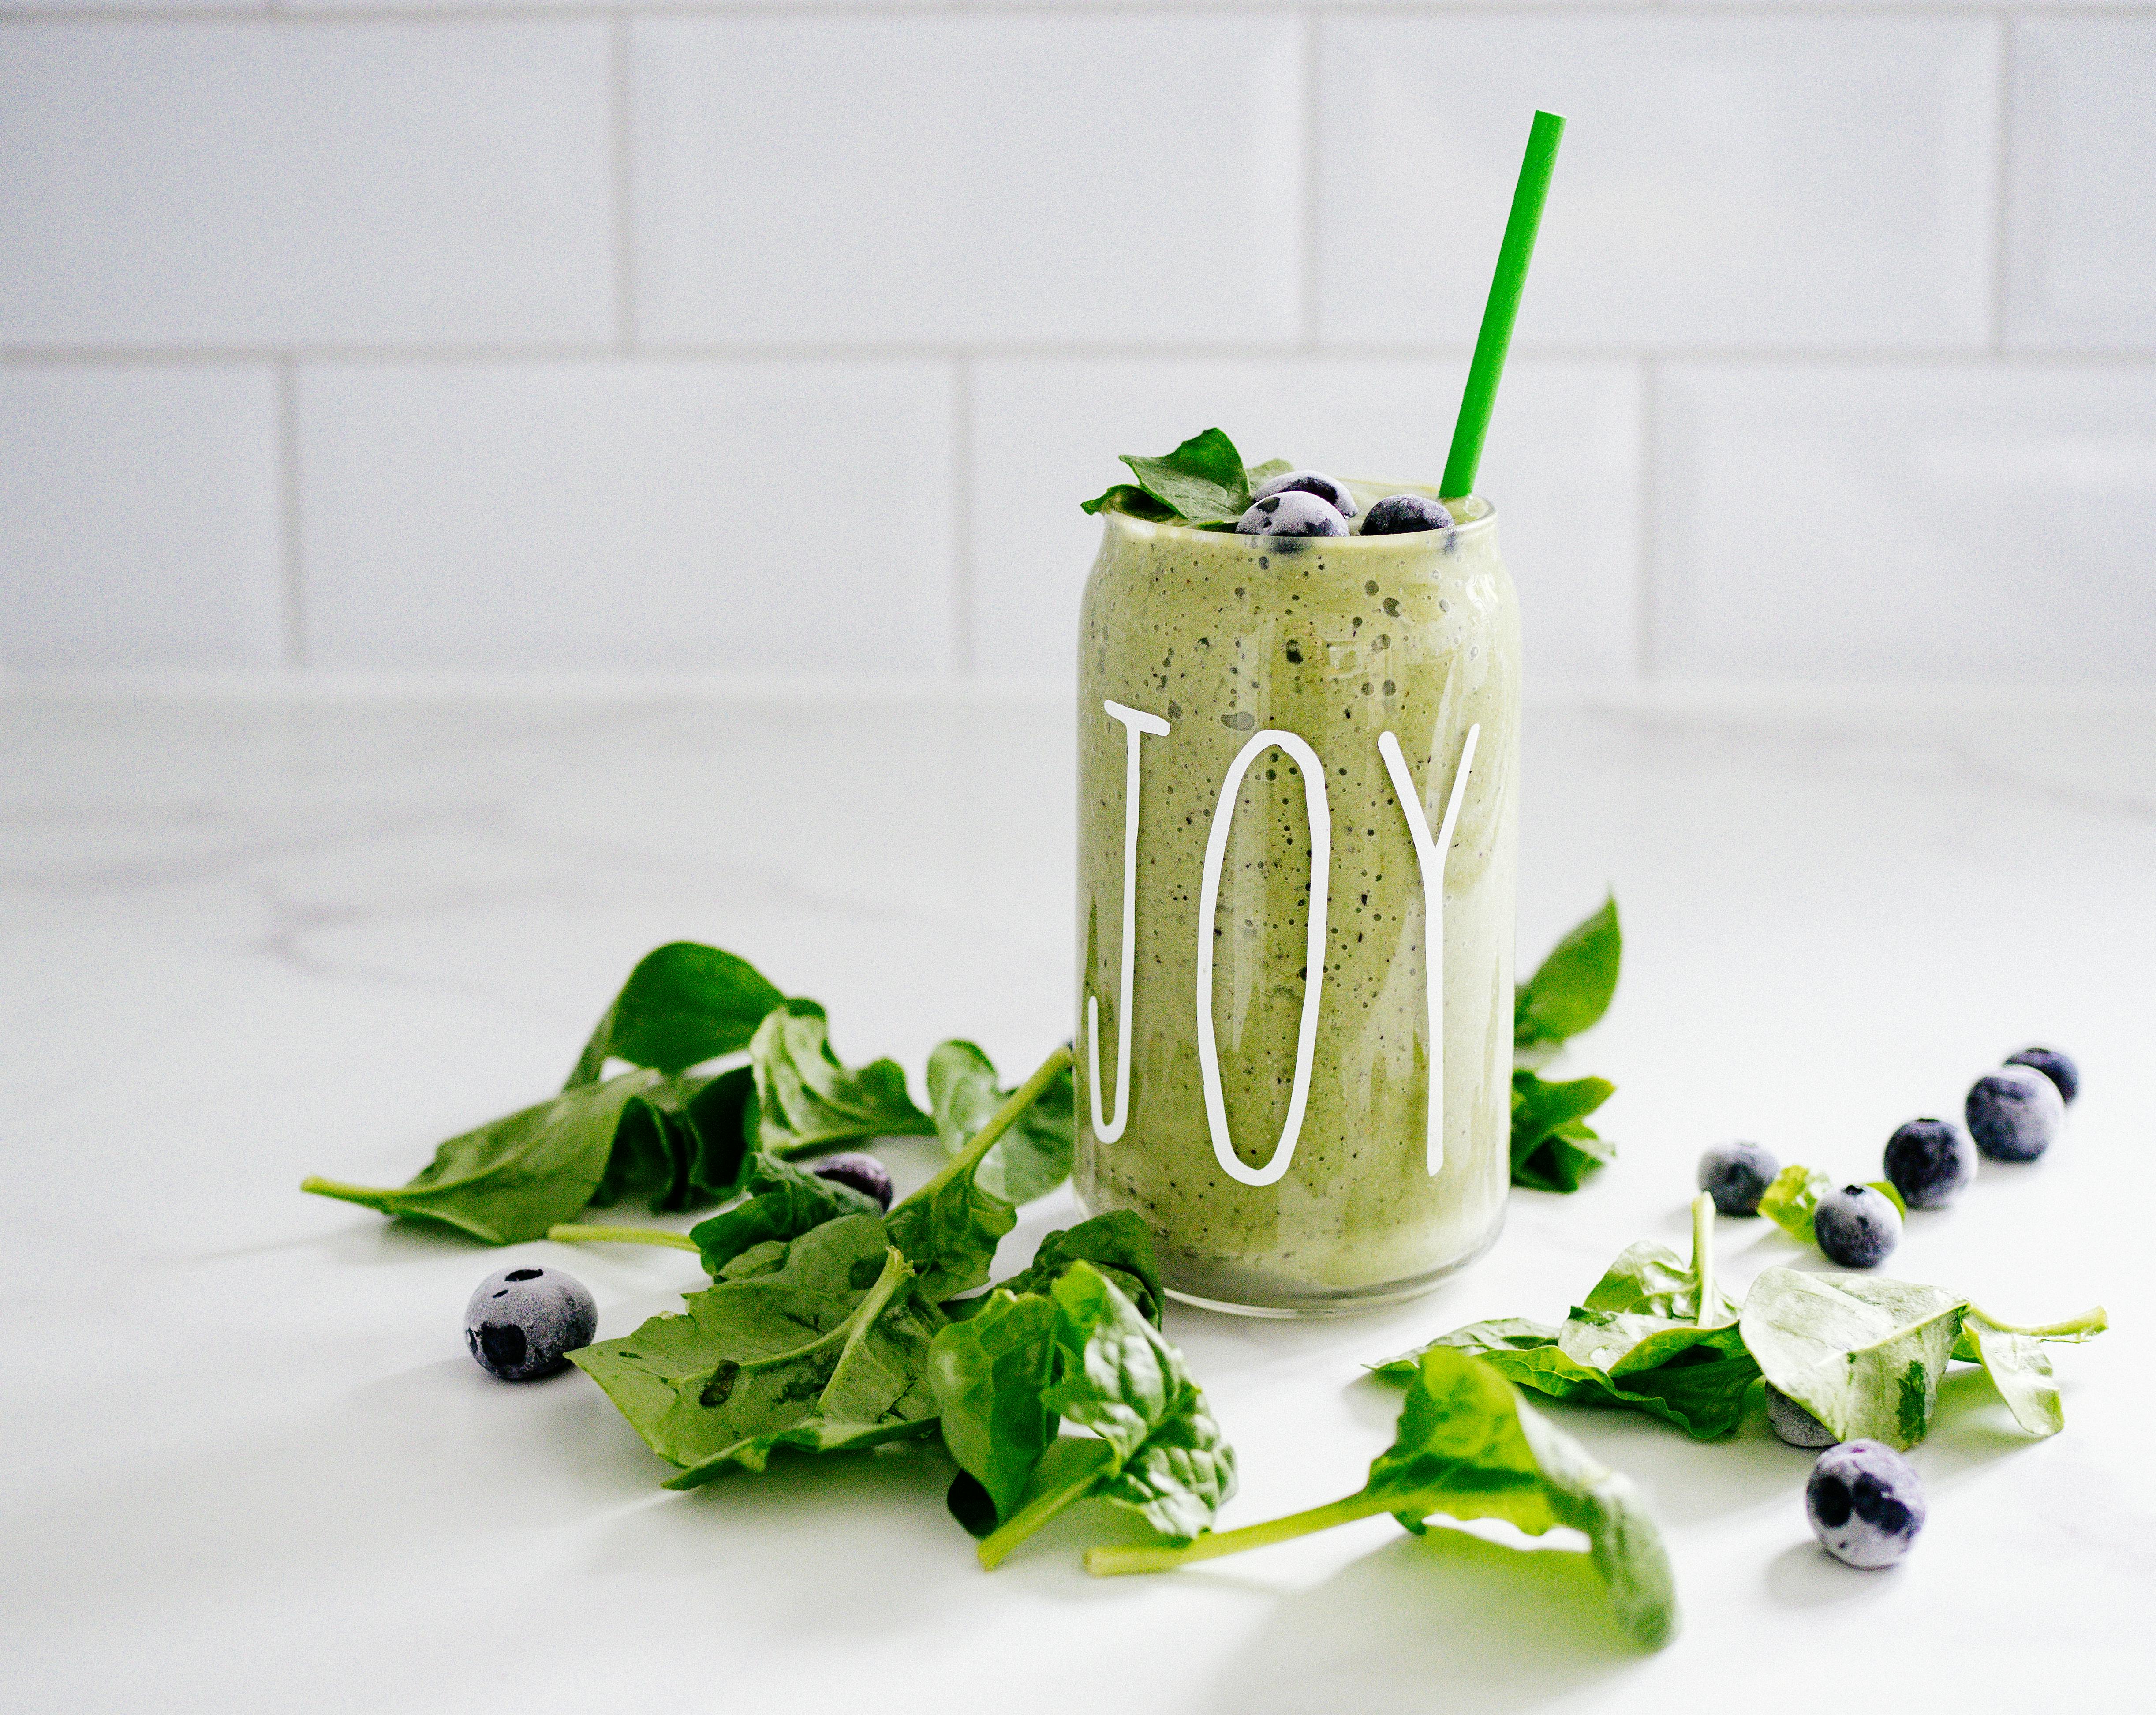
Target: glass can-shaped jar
1297 824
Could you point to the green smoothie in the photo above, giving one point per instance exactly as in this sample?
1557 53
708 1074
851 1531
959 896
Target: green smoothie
1291 1157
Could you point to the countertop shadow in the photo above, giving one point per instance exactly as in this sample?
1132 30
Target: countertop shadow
1444 1619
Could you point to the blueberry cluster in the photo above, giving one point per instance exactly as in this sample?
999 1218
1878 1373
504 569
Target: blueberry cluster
1311 503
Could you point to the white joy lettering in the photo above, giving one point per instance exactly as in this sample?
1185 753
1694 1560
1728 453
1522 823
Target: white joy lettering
1135 721
1319 813
1430 856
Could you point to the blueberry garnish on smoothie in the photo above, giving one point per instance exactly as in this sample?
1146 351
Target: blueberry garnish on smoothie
1402 515
1334 494
1291 512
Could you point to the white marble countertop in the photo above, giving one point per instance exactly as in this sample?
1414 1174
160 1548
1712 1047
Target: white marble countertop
248 1467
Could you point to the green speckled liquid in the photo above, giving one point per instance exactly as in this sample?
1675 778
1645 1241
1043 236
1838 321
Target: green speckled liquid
1336 640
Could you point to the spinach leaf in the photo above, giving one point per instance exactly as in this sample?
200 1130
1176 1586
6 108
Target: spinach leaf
1203 482
784 1202
827 1351
1035 1155
2019 1367
1117 1243
1793 1197
681 1143
1159 1452
988 1374
1468 1447
950 1227
685 1003
1862 1354
1657 1334
512 1179
1571 990
807 1099
1791 1200
1552 1149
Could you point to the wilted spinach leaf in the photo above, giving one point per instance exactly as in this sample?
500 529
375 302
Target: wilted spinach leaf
1469 1447
684 1003
512 1179
1552 1148
1571 989
827 1351
807 1099
1160 1452
1034 1157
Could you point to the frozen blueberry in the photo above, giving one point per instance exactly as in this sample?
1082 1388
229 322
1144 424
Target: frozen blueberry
1292 513
523 1322
1735 1175
1857 1226
1311 482
1929 1161
2057 1066
1402 515
1865 1503
1792 1423
863 1174
2016 1113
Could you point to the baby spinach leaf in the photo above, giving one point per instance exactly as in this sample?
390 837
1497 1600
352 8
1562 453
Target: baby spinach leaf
1552 1149
1034 1157
1117 1243
784 1201
950 1227
1862 1354
512 1179
1571 989
681 1143
1657 1334
685 1003
1468 1447
807 1099
988 1374
829 1351
1127 497
1793 1197
2019 1367
1159 1451
1203 482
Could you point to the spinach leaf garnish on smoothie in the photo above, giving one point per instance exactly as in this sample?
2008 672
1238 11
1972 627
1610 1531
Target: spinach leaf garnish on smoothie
1203 482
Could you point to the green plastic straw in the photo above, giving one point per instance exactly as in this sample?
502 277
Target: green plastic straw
1495 339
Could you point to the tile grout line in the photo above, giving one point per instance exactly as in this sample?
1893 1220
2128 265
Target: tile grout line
1649 475
962 665
1306 285
288 507
2002 166
621 94
456 11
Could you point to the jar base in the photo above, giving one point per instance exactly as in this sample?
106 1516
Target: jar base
1249 1293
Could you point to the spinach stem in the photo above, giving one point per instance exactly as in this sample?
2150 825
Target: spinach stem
576 1232
2089 1322
1000 1121
996 1547
1109 1563
858 1321
1703 1256
337 1188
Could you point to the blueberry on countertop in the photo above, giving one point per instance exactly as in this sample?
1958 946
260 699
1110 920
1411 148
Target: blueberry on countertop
1929 1161
863 1174
523 1322
2059 1067
1311 482
1792 1423
1402 515
1292 513
2016 1113
1865 1503
1857 1226
1735 1175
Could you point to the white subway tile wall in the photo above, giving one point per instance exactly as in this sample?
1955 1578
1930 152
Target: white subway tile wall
782 340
